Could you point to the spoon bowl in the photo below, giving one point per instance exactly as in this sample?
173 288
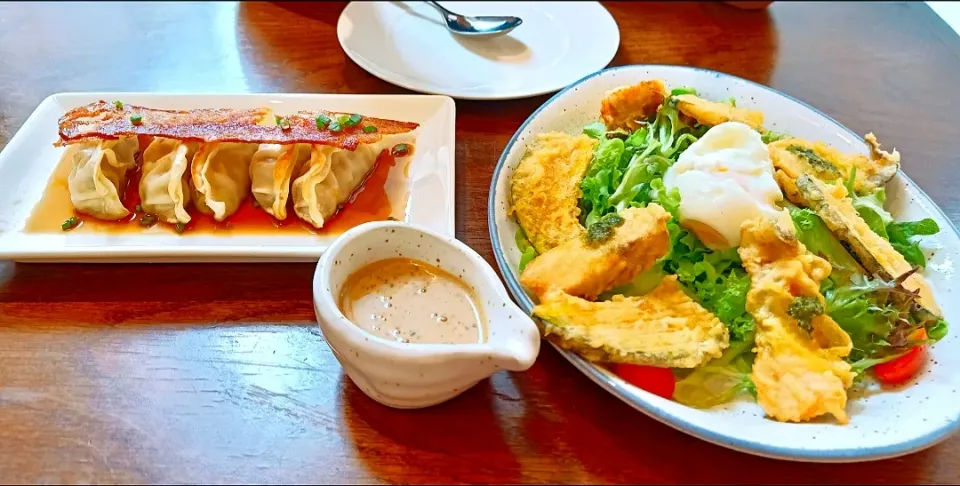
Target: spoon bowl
478 26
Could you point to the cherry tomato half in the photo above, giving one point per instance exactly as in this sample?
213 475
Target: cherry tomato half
659 381
905 367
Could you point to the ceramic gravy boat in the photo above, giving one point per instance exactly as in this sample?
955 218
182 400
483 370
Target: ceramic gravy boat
415 375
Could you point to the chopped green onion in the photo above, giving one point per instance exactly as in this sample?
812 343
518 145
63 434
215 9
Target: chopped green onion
400 150
136 119
180 227
284 123
118 104
277 118
322 121
138 209
353 121
369 129
342 119
148 220
70 223
335 126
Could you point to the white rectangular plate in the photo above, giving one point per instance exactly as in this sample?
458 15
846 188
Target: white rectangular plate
28 161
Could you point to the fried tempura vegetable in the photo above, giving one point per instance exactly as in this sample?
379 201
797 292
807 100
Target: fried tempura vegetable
664 328
799 371
712 113
796 156
876 254
628 106
585 267
545 188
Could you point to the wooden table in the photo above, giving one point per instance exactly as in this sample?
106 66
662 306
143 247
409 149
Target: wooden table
218 373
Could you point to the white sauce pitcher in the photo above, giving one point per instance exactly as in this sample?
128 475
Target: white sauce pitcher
415 375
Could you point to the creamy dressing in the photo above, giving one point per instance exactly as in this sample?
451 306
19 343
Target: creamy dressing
410 301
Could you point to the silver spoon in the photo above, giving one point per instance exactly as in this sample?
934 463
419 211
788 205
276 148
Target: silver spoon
484 25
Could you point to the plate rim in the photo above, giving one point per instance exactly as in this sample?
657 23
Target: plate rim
150 250
593 372
384 75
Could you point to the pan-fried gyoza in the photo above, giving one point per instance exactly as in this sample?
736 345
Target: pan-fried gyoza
213 159
679 232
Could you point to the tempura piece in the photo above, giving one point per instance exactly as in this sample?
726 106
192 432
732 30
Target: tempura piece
628 106
796 156
545 188
585 269
876 254
884 164
799 371
712 113
664 328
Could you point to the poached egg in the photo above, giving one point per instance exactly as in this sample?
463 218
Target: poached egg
724 179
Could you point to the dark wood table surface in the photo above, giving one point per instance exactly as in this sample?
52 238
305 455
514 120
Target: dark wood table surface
218 372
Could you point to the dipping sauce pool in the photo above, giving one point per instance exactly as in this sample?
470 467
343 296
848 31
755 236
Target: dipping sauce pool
409 301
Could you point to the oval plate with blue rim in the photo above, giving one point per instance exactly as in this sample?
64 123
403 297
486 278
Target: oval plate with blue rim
883 423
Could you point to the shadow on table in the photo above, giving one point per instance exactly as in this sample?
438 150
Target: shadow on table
612 442
458 439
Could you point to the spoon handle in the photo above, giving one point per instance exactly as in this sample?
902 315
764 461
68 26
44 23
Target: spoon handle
442 10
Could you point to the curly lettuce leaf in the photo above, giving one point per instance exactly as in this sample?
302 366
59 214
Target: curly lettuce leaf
862 311
595 130
625 169
602 175
870 206
901 235
638 139
903 238
861 306
716 279
814 234
641 171
629 173
668 199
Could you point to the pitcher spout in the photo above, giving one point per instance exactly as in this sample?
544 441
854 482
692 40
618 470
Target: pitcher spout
517 340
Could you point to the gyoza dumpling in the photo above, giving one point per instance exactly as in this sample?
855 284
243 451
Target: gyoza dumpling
332 175
164 183
99 172
221 178
271 169
309 194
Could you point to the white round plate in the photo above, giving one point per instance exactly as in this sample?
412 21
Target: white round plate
407 44
882 424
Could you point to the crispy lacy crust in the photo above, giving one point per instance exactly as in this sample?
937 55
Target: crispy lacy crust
102 120
664 328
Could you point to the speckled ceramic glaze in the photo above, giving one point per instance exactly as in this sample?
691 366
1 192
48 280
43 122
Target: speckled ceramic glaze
411 375
883 423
